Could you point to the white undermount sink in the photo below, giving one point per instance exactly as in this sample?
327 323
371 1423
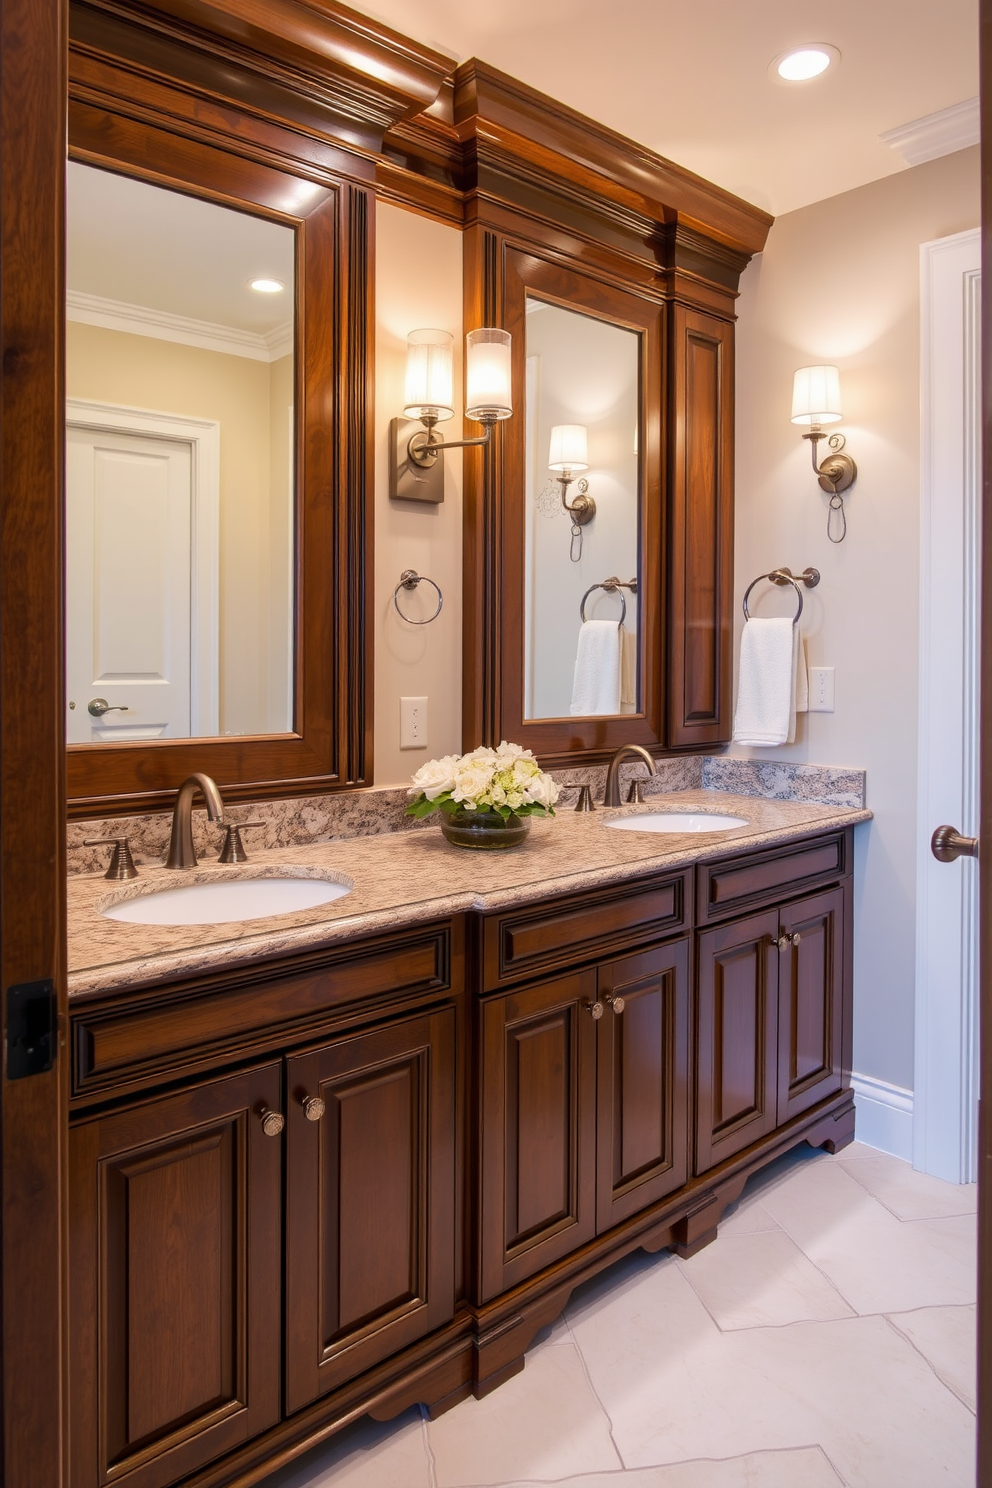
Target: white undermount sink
677 821
226 900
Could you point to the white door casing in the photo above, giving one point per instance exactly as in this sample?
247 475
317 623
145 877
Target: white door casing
143 516
946 1089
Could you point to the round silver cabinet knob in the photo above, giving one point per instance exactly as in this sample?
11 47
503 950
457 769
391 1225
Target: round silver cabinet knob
272 1121
313 1107
616 1003
595 1010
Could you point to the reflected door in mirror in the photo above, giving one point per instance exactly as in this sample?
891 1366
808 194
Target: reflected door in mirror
582 515
180 467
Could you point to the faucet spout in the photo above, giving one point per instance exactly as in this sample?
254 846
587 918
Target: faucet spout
611 795
182 853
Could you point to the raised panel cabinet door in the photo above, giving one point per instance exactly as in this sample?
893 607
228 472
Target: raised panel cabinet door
370 1224
701 529
811 1002
738 1037
175 1282
537 1128
643 1081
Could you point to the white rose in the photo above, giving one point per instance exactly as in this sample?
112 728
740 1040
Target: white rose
471 784
542 791
434 778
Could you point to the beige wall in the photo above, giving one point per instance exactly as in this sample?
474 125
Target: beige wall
839 282
418 284
141 372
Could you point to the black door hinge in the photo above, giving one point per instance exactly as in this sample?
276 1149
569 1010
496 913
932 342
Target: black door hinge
32 1024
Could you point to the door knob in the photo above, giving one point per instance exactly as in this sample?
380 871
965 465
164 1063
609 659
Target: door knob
946 844
99 706
272 1121
594 1009
313 1107
616 1003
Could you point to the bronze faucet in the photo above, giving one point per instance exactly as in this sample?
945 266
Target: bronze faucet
182 853
611 795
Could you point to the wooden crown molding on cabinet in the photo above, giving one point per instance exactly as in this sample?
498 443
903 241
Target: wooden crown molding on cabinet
350 76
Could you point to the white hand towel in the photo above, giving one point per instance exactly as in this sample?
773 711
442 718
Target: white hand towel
628 670
766 688
596 685
800 691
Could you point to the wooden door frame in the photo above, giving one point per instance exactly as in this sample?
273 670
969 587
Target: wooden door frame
33 1111
984 1401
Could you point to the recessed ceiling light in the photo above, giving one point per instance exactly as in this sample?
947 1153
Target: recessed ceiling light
267 286
805 62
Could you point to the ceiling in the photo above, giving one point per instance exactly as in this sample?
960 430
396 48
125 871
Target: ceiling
691 81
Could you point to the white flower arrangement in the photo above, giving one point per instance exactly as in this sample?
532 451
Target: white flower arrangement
507 780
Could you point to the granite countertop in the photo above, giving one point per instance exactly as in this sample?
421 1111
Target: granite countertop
401 878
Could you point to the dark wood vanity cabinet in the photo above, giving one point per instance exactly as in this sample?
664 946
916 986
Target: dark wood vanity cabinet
370 1225
770 1021
175 1281
583 1107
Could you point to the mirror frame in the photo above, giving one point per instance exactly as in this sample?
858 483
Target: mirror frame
330 746
495 535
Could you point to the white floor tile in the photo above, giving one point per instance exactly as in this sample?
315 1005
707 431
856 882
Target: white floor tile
369 1454
877 1262
544 1424
761 1280
854 1387
906 1194
806 1467
746 1218
946 1337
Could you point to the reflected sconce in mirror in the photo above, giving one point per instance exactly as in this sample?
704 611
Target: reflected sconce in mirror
569 452
416 465
816 401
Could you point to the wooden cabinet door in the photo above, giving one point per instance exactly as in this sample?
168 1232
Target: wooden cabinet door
643 1081
370 1228
810 1014
738 1037
538 1128
701 530
175 1282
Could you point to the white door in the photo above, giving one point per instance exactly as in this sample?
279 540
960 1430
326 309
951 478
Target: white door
128 525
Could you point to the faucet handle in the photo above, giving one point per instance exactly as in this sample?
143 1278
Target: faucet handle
635 794
232 848
121 861
584 801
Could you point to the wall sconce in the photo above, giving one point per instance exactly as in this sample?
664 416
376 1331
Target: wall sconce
416 469
570 452
816 401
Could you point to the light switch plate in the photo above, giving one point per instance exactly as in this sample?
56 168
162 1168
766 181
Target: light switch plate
413 723
821 689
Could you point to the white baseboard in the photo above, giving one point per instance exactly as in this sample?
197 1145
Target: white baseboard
883 1116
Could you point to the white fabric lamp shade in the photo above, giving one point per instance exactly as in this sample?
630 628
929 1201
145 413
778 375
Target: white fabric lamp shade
569 449
488 393
429 381
816 396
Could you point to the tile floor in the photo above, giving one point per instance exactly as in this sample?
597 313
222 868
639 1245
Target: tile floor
826 1338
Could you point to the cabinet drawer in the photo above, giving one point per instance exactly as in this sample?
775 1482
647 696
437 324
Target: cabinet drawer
186 1029
746 883
581 926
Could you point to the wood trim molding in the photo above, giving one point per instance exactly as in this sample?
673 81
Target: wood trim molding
359 76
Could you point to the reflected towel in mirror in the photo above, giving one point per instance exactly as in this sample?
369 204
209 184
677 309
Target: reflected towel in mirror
772 686
596 684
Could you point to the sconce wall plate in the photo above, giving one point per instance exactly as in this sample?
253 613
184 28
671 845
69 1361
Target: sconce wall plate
413 480
838 471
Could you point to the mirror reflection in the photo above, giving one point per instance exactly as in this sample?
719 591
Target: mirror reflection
582 515
180 442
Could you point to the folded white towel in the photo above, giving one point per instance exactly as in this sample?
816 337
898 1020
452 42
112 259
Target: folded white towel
800 692
596 685
628 670
766 692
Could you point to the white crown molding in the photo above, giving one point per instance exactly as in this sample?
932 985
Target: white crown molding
162 325
950 129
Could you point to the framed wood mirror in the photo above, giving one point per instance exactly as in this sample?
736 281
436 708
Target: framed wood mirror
588 358
313 731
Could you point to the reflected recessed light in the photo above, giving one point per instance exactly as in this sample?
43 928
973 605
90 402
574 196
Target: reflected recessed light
267 286
803 63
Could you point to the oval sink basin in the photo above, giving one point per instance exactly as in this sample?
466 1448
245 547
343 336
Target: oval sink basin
677 821
227 900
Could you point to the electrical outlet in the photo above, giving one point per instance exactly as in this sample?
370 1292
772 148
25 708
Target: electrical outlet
821 689
413 723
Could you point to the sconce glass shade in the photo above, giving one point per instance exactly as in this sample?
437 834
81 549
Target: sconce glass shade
429 384
816 396
488 393
569 449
